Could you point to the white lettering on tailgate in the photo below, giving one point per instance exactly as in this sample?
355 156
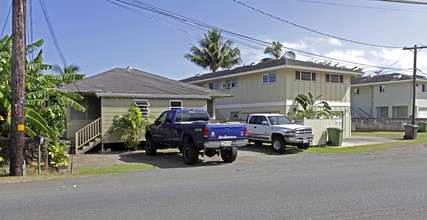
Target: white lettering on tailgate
226 137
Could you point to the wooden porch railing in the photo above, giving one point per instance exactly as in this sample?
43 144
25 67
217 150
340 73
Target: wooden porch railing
88 133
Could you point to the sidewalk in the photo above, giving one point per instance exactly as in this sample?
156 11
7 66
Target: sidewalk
367 140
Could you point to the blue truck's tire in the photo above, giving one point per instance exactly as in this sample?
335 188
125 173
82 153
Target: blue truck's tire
279 145
150 147
229 155
190 155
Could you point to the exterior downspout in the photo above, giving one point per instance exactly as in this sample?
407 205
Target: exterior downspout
372 104
102 125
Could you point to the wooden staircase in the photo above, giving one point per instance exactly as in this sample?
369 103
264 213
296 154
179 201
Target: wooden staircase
88 137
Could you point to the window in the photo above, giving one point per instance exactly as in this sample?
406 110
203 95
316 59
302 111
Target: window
201 84
382 89
235 116
356 91
143 106
175 104
424 88
230 84
305 76
257 120
333 78
214 86
400 111
382 112
268 78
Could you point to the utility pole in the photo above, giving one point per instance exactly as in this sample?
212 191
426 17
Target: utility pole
17 135
414 76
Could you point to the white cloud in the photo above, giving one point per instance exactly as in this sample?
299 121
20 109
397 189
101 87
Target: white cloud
335 42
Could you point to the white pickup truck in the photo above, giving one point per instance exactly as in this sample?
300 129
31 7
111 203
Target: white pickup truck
278 130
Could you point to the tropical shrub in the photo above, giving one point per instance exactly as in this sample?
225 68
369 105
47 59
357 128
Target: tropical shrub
1 158
58 154
132 124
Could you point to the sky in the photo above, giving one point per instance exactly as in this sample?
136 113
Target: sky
98 35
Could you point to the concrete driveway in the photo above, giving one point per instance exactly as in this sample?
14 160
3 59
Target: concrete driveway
359 140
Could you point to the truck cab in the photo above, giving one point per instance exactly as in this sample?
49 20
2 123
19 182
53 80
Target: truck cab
278 130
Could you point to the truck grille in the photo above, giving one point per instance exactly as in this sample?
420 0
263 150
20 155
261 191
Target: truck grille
303 131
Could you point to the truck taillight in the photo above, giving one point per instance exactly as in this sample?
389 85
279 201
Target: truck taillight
206 132
245 133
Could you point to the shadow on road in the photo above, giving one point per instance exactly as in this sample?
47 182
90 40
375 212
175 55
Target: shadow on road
268 149
168 159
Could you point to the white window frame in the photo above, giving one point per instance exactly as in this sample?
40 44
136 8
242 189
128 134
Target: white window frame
230 84
299 75
235 113
382 88
173 108
424 88
213 85
269 78
143 105
356 91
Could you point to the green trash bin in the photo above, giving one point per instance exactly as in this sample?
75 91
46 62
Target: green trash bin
335 136
422 127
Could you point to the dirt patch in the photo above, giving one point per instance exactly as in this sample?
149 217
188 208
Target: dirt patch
165 158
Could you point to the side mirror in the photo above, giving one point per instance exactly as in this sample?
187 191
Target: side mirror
264 123
168 120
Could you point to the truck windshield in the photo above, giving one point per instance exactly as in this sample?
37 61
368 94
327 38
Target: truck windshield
278 120
184 116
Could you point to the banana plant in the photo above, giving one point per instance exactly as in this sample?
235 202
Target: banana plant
312 107
41 92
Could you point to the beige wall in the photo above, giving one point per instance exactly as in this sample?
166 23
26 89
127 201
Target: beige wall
114 106
252 96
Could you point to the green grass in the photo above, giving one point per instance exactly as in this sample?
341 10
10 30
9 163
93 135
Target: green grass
395 134
266 147
363 148
78 172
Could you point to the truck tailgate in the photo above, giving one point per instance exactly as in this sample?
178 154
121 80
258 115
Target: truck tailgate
228 131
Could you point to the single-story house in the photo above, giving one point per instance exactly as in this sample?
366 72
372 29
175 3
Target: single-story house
112 92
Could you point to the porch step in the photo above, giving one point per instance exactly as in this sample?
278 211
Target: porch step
85 148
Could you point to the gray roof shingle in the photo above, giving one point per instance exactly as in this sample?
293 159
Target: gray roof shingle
384 78
265 65
128 82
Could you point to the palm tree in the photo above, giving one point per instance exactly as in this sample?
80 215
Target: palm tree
213 53
67 69
275 50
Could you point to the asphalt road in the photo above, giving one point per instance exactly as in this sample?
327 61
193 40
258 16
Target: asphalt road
389 185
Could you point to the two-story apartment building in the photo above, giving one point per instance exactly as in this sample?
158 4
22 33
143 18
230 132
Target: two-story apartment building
388 96
273 86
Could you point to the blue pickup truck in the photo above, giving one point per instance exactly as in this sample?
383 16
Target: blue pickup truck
194 133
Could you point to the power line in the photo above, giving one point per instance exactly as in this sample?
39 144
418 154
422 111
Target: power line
52 32
403 1
358 6
315 31
193 22
7 17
